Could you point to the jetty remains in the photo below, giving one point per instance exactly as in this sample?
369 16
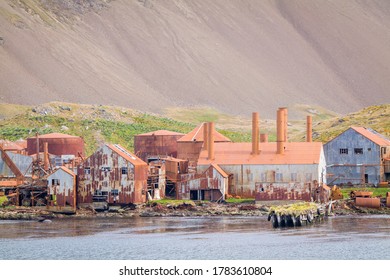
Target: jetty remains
297 214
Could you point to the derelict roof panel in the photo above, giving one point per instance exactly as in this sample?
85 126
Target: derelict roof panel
196 135
126 154
240 153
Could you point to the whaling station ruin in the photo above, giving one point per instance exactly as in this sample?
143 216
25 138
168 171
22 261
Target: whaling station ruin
52 170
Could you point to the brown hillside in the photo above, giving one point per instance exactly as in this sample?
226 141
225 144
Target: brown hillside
235 56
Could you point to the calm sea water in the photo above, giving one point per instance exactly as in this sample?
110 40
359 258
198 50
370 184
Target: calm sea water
350 238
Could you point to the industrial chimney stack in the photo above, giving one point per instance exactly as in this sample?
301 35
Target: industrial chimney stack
309 129
255 133
205 136
210 141
281 135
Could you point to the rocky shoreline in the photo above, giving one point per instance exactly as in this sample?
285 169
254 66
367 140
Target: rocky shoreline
342 207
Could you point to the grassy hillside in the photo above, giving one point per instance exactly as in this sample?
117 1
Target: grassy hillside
96 124
375 117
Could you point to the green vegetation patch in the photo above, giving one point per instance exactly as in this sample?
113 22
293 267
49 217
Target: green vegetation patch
294 209
376 192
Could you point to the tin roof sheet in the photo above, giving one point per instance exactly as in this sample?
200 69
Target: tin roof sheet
161 133
126 154
197 135
9 145
240 153
372 135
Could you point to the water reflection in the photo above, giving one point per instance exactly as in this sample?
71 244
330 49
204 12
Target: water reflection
366 237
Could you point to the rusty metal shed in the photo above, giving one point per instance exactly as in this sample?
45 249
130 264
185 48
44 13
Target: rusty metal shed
212 185
156 144
112 173
62 191
358 156
59 144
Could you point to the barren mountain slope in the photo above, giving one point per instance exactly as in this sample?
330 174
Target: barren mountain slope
236 56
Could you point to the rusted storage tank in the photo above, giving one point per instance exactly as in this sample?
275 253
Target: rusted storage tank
370 202
59 144
160 143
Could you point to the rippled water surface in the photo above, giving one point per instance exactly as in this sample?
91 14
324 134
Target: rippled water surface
365 237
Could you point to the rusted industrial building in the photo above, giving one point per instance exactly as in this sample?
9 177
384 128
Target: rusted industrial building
190 145
114 175
270 171
210 185
156 144
58 144
358 156
61 189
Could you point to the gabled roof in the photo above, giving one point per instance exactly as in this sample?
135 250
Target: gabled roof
126 154
63 168
161 133
372 135
196 135
240 153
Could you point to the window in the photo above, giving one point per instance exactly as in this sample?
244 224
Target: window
124 170
106 168
114 192
279 177
358 151
309 177
263 177
293 177
343 151
87 170
55 182
369 149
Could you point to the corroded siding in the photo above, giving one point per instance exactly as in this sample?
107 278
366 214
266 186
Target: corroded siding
63 193
351 168
211 184
155 145
107 173
245 177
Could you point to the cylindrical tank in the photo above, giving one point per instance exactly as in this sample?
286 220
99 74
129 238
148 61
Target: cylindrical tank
370 202
58 144
156 143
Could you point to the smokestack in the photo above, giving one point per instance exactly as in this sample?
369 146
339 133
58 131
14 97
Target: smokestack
211 141
37 140
280 131
309 129
285 121
255 133
205 136
46 156
263 138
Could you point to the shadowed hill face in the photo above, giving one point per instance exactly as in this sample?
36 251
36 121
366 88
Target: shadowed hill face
236 56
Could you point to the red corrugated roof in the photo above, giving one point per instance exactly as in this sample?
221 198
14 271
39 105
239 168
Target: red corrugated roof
197 135
10 146
126 154
374 137
161 133
67 170
240 153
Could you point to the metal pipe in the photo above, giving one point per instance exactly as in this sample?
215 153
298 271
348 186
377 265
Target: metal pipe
285 121
255 133
205 136
211 128
309 129
263 138
46 156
